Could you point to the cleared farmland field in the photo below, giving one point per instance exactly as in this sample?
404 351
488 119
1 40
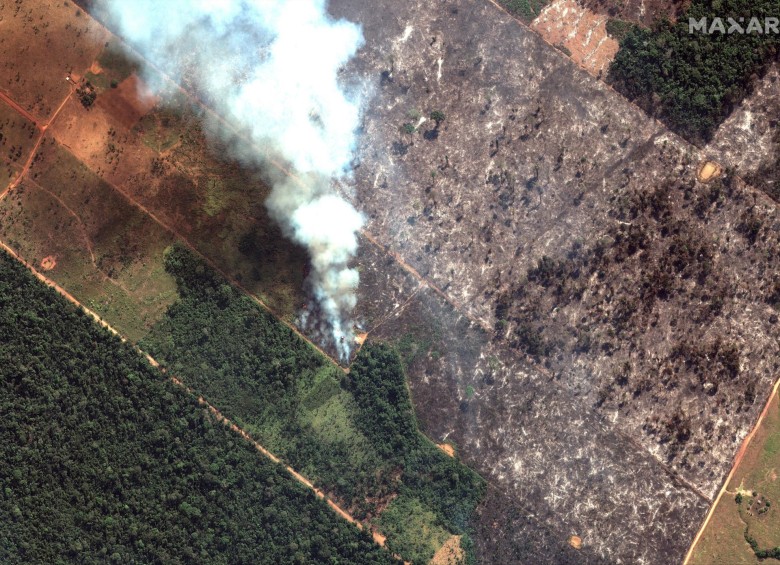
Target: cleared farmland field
88 238
747 512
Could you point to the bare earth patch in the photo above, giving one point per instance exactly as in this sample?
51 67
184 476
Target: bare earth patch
708 171
575 542
48 263
447 448
581 33
451 553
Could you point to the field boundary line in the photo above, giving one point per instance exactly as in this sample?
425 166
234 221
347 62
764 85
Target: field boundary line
737 460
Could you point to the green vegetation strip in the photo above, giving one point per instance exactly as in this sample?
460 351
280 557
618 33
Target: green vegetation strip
692 81
105 461
526 10
353 435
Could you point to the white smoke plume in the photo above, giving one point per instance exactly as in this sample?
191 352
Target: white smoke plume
272 67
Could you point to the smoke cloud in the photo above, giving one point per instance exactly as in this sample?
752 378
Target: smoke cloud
272 68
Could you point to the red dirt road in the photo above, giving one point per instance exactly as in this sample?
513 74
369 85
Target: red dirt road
5 98
41 128
734 467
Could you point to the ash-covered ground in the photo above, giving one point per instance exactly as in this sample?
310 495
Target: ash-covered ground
603 328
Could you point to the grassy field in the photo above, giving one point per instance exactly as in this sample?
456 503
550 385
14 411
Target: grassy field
106 252
414 529
174 159
218 203
742 512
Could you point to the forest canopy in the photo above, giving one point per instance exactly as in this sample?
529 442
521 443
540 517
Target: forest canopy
106 461
692 81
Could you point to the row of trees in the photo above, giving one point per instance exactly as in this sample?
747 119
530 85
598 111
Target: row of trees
105 461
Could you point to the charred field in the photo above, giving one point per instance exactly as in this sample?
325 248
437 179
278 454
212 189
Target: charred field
570 233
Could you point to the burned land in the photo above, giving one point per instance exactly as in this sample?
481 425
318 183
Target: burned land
569 231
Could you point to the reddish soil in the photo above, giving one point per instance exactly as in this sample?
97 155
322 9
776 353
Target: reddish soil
446 448
48 263
128 102
41 43
34 150
451 553
8 100
566 24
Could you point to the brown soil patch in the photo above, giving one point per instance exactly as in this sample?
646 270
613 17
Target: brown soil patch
378 538
566 24
360 338
95 68
48 263
575 542
451 553
446 448
708 170
128 102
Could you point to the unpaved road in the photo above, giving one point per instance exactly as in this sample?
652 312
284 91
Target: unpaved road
737 461
41 128
8 100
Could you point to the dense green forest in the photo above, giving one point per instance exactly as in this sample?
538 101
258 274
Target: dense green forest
106 461
352 434
691 81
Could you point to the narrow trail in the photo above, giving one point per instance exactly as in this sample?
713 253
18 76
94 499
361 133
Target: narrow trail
378 538
41 137
12 103
737 460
